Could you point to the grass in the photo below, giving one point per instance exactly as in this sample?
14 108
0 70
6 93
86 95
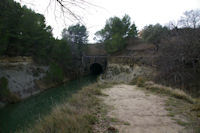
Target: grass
78 115
160 89
182 113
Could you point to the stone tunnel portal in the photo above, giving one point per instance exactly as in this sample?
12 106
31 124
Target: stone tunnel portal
96 69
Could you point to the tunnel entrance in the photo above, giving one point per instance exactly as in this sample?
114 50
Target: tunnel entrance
96 69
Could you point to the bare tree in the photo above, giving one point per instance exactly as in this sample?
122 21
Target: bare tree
67 9
172 25
190 19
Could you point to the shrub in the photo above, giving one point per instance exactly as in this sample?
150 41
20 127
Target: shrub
154 33
140 81
3 83
5 93
55 73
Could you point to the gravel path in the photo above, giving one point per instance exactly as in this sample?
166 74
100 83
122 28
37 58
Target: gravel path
138 112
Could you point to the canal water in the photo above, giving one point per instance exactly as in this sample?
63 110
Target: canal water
27 112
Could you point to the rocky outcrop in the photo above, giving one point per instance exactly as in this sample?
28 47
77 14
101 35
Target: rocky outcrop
124 73
22 74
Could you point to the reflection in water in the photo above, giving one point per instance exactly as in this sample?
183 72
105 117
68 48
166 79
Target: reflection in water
22 114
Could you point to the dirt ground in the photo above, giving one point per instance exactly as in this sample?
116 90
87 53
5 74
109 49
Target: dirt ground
134 111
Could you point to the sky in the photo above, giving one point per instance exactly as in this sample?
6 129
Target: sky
94 15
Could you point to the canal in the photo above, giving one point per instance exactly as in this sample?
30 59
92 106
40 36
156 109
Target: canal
25 113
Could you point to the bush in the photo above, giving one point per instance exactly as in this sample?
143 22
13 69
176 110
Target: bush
140 81
5 94
3 83
154 33
55 74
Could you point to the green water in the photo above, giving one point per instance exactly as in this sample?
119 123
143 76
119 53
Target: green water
18 116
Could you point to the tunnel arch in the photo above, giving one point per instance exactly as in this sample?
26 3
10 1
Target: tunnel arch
96 69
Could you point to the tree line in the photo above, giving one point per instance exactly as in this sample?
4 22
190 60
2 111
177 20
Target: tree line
24 33
178 50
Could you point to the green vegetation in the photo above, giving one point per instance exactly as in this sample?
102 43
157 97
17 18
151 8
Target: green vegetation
5 94
25 33
76 34
182 112
154 33
55 74
116 33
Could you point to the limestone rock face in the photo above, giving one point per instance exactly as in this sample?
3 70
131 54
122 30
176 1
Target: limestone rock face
22 74
124 73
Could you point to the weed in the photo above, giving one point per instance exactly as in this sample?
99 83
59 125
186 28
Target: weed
140 81
127 123
182 123
115 120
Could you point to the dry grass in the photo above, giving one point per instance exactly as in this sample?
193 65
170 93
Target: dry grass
184 113
177 93
184 109
78 115
149 85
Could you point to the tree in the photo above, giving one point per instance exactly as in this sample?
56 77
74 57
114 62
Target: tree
76 35
61 53
154 33
23 32
191 19
116 32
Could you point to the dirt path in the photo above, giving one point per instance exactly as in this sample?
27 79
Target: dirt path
138 112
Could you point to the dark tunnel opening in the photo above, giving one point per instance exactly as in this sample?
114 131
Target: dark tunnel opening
96 69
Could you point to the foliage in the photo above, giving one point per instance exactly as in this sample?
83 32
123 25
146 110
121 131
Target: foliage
61 54
5 94
3 83
55 74
115 44
76 35
22 31
154 33
116 32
